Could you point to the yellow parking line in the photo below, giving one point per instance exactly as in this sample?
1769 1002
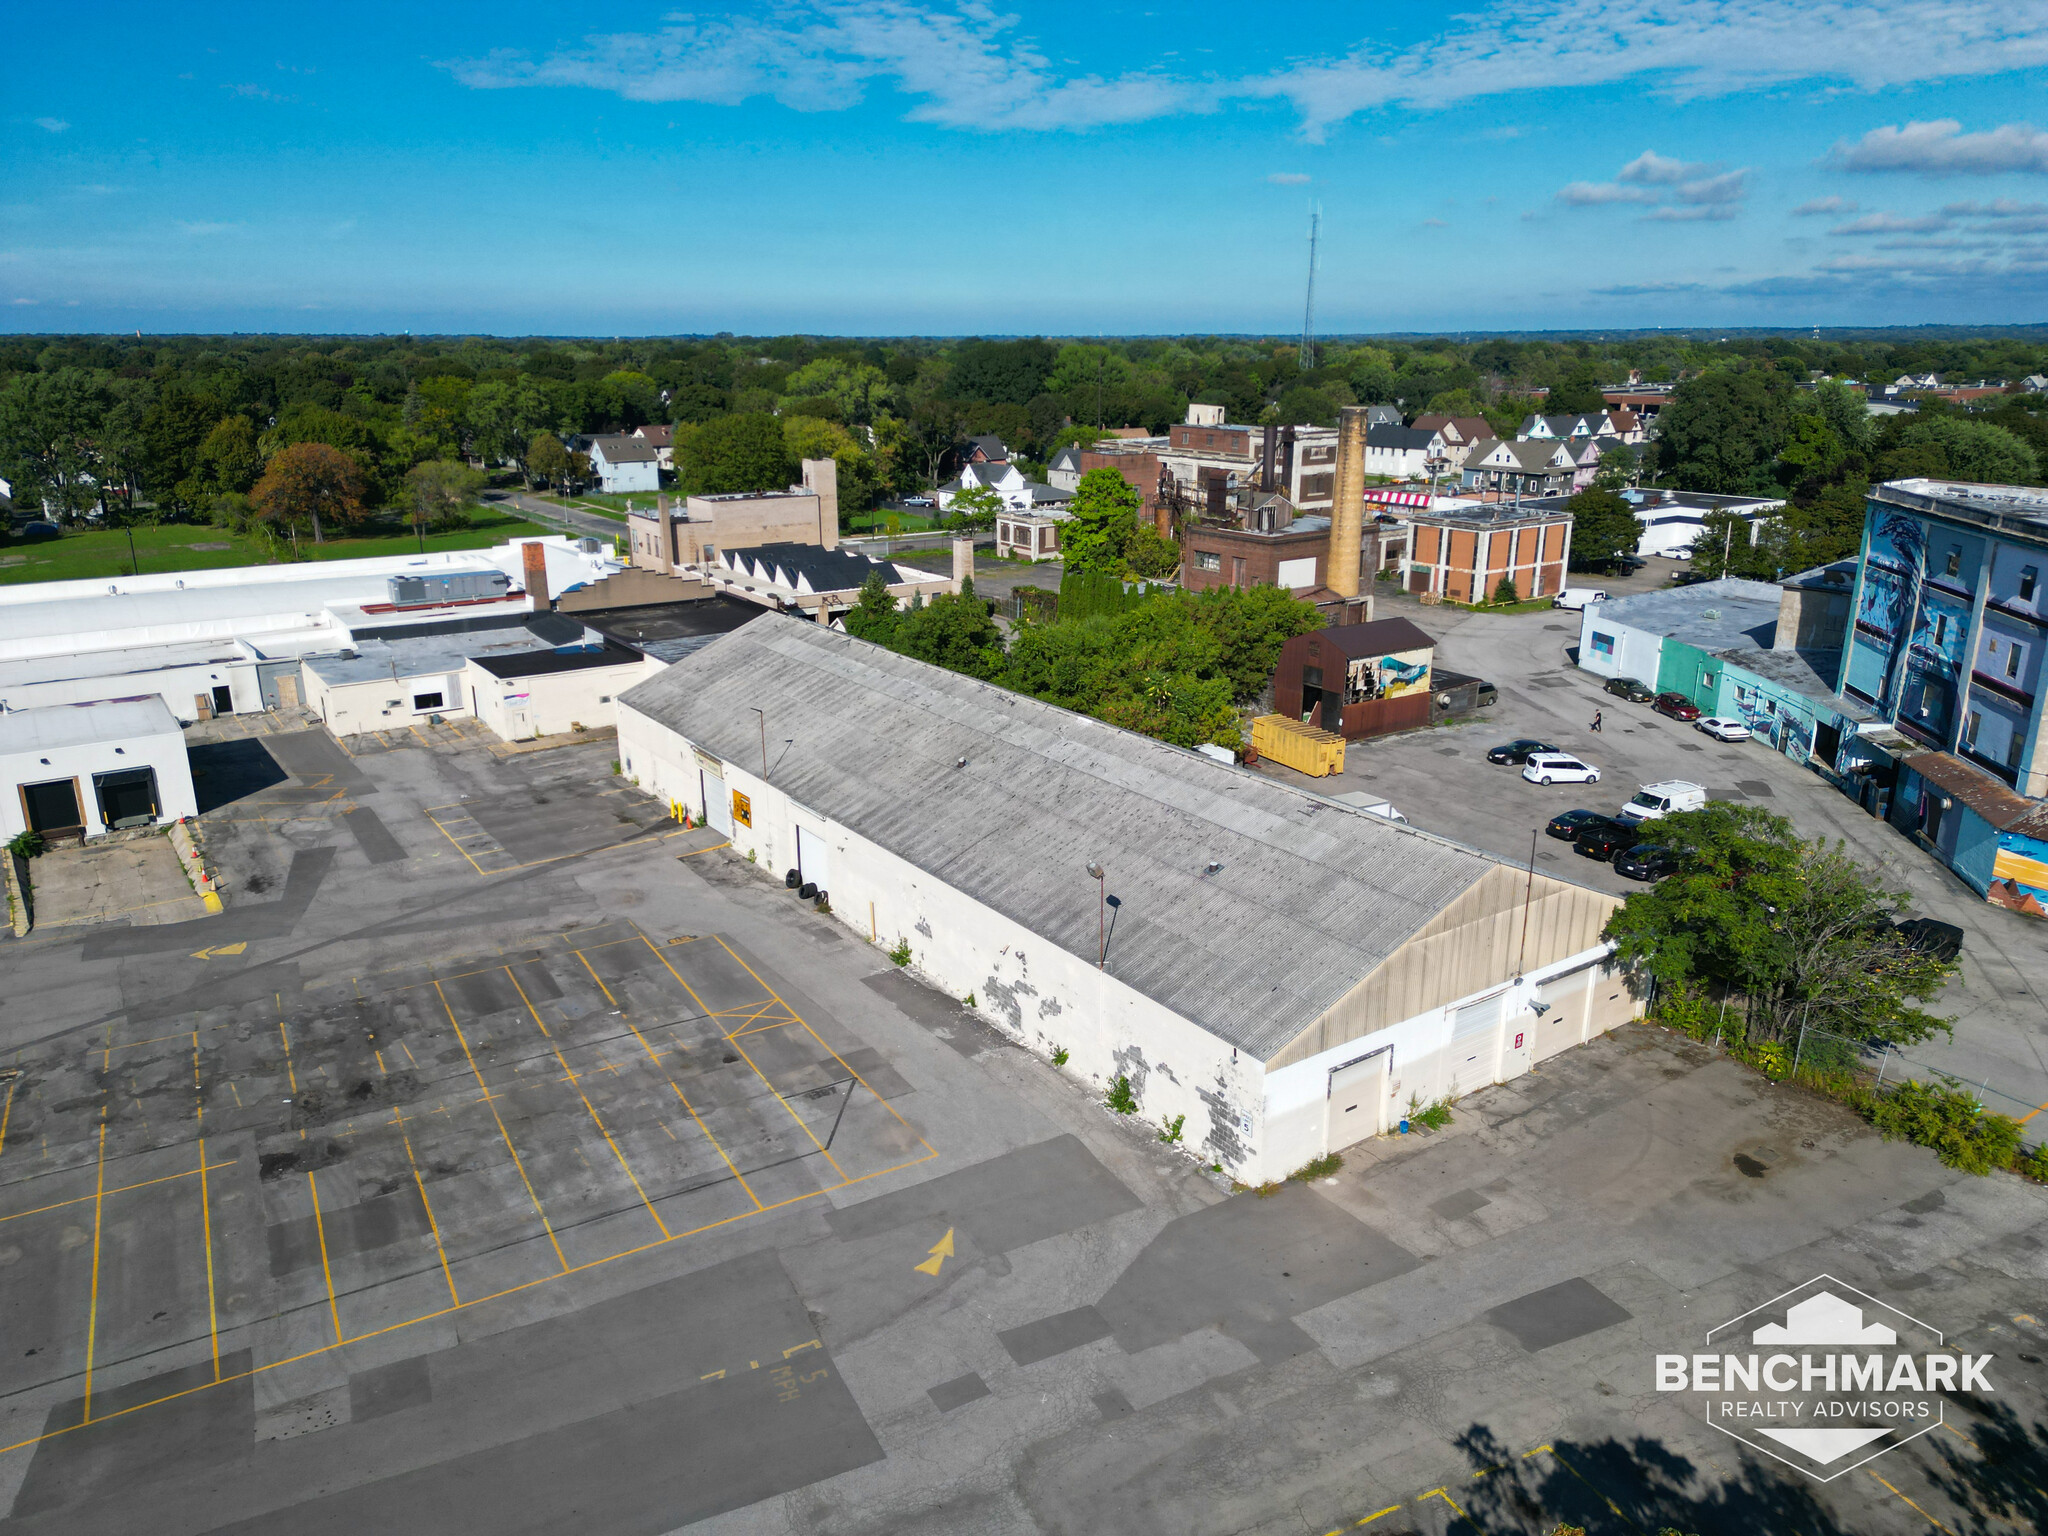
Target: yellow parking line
7 1114
92 1324
205 1209
398 1118
320 1230
1914 1507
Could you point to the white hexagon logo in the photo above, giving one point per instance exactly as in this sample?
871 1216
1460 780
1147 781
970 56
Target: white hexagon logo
1820 1374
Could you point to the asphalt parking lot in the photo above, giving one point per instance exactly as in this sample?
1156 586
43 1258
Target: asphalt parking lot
619 1191
1440 780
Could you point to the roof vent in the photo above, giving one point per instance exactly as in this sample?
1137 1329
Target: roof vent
1214 866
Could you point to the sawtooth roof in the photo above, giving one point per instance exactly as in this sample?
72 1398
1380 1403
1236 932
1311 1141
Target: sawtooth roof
1310 897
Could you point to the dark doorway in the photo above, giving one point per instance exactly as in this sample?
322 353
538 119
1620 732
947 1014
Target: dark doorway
223 701
127 798
53 807
1827 744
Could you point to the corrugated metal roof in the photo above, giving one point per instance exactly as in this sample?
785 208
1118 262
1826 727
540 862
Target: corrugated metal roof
1311 896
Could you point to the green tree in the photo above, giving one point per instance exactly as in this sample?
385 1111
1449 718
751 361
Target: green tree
1604 527
547 461
48 424
809 437
1723 431
1504 591
1105 511
874 615
310 485
1580 390
1148 554
229 459
736 453
975 507
1965 450
1249 626
439 489
1305 405
954 631
1797 927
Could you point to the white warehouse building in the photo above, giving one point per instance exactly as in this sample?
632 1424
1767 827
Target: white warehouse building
1285 972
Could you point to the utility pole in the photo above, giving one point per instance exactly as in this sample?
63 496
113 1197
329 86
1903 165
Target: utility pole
1308 314
764 744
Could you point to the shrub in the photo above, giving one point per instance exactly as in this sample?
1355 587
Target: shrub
1171 1133
1121 1099
1948 1123
2034 1163
1321 1168
1505 592
26 845
1059 1055
900 955
1689 1010
1774 1059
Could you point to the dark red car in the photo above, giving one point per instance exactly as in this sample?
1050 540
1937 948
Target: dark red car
1677 706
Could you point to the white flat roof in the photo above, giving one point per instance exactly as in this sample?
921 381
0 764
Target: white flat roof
75 725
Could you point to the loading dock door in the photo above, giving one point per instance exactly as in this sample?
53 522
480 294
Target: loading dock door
812 861
53 807
1358 1099
1475 1043
717 809
128 798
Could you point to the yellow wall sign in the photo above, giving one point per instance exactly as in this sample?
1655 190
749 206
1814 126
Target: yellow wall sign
742 809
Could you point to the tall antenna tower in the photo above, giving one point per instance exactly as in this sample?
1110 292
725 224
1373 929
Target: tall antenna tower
1308 314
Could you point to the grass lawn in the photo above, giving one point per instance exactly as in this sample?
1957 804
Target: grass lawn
885 521
605 504
103 553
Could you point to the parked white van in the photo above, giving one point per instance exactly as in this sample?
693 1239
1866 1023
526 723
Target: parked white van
1655 800
1578 597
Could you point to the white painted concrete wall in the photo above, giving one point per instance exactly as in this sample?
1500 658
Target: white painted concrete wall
1636 652
552 702
179 687
1035 992
349 709
164 752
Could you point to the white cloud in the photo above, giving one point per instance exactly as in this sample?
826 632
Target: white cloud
1691 215
1436 223
1891 224
1999 208
48 125
1941 148
24 301
1729 187
1289 179
962 61
1651 169
968 66
1595 194
1820 205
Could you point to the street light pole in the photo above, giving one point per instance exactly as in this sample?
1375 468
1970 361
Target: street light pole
764 744
1101 915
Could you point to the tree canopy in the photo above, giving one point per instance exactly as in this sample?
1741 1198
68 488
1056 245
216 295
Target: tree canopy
310 485
736 453
1105 513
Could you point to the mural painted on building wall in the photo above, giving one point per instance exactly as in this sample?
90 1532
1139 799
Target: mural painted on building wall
1892 577
1386 677
1934 664
2019 874
1772 719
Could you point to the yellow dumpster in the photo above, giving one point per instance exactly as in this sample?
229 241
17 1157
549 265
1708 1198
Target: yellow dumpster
1304 748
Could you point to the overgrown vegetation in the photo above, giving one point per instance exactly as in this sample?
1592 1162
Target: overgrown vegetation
1171 664
1318 1168
900 955
1433 1116
1059 1056
1120 1098
26 844
1950 1123
1171 1131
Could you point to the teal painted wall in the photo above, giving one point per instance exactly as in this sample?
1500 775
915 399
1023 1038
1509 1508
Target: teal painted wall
1688 670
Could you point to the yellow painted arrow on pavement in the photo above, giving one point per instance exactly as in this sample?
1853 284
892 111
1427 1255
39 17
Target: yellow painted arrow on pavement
220 949
941 1251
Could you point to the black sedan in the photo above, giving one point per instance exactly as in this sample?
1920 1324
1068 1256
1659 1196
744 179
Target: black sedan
1628 688
1645 862
1573 824
1519 750
1604 842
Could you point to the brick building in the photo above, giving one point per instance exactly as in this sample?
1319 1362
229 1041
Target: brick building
1357 679
1461 551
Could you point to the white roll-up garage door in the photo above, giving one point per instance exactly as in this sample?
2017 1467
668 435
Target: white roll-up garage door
811 859
1475 1043
717 809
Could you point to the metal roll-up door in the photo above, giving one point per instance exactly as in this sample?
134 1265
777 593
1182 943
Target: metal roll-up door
1358 1098
812 860
717 808
1475 1043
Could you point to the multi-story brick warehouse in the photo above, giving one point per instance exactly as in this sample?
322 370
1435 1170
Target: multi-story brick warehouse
1462 551
1295 556
1299 462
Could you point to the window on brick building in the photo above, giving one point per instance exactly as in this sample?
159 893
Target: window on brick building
1208 560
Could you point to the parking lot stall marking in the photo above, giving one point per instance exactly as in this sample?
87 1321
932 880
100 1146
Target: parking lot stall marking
92 1322
799 1119
1912 1506
205 1207
7 1114
799 1018
595 1118
1546 1450
506 1135
326 1270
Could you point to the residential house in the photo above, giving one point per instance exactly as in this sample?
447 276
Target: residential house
1643 401
1672 521
1383 416
1007 481
1528 467
2035 384
1458 432
1404 453
988 449
1584 424
662 440
1064 472
1627 426
625 464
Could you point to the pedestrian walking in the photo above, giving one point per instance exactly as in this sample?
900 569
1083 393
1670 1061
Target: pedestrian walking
1596 720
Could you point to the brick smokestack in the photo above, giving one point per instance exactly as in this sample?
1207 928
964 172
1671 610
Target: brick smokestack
534 559
963 559
1347 509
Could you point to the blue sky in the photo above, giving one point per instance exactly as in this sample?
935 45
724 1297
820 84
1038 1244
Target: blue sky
893 166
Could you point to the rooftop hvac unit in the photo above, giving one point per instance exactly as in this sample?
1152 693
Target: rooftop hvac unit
447 587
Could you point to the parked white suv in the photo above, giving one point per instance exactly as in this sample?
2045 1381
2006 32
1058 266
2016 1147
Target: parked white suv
1559 768
1655 800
